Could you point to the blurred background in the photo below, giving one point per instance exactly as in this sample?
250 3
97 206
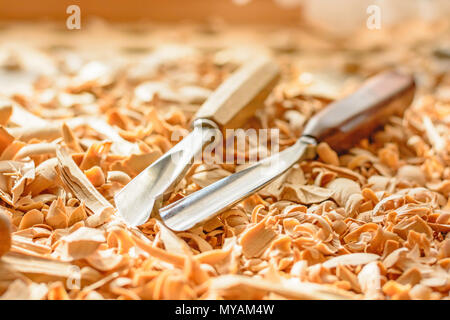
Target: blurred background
337 15
325 37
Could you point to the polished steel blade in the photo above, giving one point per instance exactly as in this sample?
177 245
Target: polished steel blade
211 200
144 194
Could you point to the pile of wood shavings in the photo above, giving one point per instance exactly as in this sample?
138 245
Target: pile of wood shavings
369 224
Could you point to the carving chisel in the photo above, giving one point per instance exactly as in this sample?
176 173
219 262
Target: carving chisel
229 106
341 124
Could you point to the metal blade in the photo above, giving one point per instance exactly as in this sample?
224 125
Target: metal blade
144 194
207 202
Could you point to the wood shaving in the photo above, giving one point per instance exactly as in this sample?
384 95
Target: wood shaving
79 244
19 290
369 223
256 239
79 184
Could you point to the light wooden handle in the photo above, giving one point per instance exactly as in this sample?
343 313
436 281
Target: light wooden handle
241 94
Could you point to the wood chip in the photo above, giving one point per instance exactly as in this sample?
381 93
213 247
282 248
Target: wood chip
343 189
19 290
233 285
352 259
79 244
305 194
78 183
256 239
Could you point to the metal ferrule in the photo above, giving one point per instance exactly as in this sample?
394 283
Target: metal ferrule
205 123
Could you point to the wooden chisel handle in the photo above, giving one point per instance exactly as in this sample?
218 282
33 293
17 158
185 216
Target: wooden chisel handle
238 97
344 122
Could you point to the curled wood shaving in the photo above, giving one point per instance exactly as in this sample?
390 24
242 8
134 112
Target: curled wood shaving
78 183
95 176
172 258
352 259
56 216
79 244
414 223
120 145
437 141
343 189
105 260
229 286
326 154
34 265
118 176
31 218
25 245
44 131
257 238
305 194
370 281
19 290
36 149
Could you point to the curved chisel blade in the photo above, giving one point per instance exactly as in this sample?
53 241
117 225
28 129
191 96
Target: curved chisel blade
144 194
211 200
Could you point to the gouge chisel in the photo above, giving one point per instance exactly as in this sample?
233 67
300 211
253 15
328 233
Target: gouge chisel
340 124
228 107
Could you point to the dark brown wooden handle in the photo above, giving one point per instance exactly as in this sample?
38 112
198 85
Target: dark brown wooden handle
345 122
241 94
